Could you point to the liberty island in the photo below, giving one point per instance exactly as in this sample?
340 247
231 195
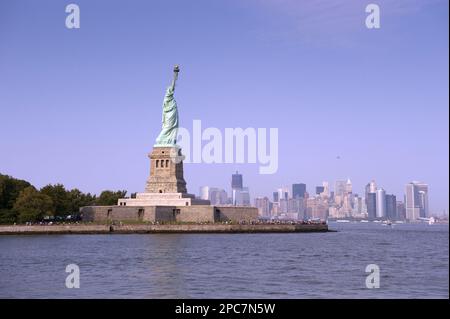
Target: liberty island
165 205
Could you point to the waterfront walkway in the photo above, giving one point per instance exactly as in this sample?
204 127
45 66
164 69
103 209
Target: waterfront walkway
162 228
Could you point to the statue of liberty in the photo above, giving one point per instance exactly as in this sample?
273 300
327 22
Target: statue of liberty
168 134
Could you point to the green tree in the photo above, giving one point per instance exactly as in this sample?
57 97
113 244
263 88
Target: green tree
110 198
7 216
32 205
9 190
78 199
60 199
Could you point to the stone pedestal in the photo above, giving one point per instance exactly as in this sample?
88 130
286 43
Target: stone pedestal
166 185
166 171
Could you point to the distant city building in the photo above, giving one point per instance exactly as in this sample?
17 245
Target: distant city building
348 187
298 190
370 199
423 199
371 205
217 196
333 211
263 205
275 209
204 192
316 208
381 203
340 188
364 208
242 197
240 194
237 181
319 190
283 193
297 206
401 211
296 202
326 189
276 197
373 187
236 186
391 207
416 200
357 206
283 208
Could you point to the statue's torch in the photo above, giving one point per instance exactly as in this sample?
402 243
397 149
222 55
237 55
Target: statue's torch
176 70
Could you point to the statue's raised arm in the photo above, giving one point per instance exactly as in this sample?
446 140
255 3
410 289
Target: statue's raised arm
176 69
169 131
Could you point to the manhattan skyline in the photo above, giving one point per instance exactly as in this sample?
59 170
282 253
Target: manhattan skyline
348 101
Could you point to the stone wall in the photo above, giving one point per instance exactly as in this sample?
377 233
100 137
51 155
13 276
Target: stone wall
185 214
195 214
104 213
237 213
129 213
159 213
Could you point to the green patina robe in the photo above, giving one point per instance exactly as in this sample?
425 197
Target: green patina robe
168 135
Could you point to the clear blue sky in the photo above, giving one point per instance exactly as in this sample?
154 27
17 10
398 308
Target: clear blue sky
83 107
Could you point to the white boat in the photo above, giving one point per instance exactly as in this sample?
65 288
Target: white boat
364 221
342 221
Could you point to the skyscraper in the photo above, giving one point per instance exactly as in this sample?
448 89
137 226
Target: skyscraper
401 211
204 192
276 198
217 196
298 190
340 188
242 197
373 186
371 205
237 181
381 203
263 205
237 188
316 207
416 200
319 190
370 199
391 207
283 193
326 189
357 206
348 186
423 199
